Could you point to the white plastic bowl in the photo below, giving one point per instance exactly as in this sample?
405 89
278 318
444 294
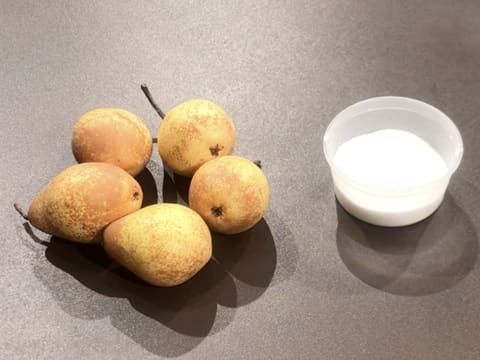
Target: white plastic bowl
390 206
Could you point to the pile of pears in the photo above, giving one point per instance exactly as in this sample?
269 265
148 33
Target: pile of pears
98 200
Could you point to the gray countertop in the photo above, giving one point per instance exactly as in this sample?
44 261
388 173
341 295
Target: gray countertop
309 281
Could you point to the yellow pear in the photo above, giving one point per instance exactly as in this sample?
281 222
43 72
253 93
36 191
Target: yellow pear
113 136
163 244
230 193
192 133
82 200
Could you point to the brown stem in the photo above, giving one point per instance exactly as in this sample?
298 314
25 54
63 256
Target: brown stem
258 163
20 211
149 96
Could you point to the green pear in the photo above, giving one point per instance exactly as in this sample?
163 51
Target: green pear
163 244
82 200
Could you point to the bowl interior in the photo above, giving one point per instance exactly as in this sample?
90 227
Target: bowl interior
410 115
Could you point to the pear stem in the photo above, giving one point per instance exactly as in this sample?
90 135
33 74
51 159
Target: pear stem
149 96
258 163
20 211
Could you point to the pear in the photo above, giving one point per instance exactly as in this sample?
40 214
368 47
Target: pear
114 136
230 193
163 244
192 133
82 200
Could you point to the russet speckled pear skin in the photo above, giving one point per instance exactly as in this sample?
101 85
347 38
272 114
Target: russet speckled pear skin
82 200
163 244
230 193
192 133
114 136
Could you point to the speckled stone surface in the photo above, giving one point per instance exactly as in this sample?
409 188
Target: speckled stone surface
309 282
